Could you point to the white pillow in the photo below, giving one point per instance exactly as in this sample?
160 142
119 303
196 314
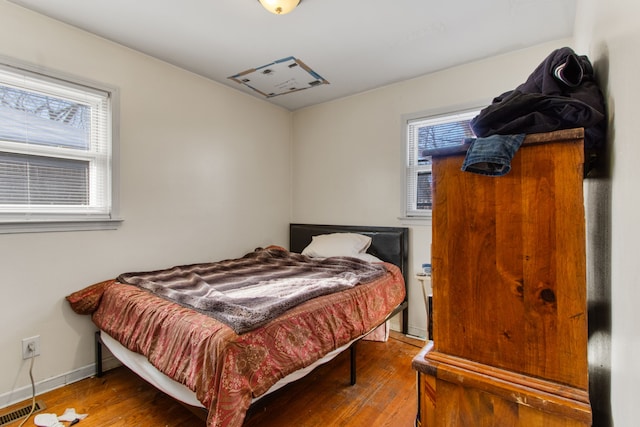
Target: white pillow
337 244
367 257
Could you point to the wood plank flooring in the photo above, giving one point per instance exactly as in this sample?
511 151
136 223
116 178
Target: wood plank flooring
384 395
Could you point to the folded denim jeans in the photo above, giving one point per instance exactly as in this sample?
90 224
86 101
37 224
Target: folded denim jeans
491 155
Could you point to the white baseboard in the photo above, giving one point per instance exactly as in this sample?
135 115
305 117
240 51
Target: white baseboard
417 332
396 325
25 393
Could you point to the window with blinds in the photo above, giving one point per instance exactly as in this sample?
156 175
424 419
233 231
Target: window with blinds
423 134
55 148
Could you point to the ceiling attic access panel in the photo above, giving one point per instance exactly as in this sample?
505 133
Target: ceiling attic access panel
283 76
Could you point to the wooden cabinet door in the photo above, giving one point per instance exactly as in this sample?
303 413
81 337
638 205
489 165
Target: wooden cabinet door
509 264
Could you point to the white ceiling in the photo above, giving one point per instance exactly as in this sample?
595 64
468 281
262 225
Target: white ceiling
356 45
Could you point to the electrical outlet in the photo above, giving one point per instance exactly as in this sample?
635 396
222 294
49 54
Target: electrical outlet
30 347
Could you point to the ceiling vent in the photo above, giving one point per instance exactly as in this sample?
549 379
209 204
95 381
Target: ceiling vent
283 76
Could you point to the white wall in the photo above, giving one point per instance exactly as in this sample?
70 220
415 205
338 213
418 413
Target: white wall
347 154
205 174
609 32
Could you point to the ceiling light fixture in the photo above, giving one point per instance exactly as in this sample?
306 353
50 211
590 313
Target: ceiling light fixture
279 7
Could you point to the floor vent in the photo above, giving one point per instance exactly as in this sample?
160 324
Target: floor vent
20 412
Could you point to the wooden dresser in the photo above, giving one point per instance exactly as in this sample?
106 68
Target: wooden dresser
509 292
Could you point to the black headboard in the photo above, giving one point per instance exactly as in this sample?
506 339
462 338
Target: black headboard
390 244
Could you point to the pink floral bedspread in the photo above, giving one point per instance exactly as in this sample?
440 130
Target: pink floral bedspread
227 370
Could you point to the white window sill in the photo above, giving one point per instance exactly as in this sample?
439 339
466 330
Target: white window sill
44 226
415 220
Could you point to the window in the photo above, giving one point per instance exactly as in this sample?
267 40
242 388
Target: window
56 152
421 134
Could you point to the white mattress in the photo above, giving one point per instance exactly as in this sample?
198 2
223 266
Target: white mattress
141 366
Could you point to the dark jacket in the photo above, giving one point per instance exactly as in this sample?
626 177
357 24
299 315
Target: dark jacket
560 94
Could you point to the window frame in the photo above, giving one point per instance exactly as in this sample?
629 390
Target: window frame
60 219
407 213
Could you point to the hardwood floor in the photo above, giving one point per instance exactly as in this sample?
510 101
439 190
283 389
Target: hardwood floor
384 395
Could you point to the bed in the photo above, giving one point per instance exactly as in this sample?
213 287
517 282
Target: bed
206 363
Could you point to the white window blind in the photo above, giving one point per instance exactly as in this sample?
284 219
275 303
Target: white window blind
55 149
423 134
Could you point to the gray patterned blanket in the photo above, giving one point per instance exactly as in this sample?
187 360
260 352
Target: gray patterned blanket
248 292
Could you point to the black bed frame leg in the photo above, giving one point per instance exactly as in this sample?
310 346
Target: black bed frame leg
353 362
99 370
